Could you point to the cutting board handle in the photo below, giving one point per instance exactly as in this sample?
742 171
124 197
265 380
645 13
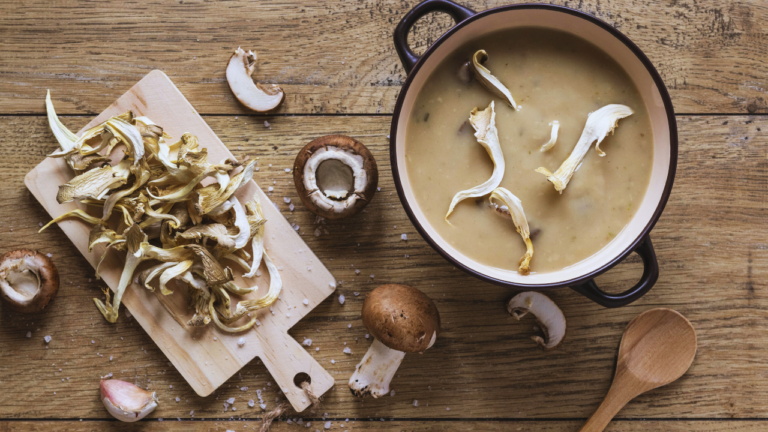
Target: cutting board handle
285 359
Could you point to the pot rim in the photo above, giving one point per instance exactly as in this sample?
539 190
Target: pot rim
673 144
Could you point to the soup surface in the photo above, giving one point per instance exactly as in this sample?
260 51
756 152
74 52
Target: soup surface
552 76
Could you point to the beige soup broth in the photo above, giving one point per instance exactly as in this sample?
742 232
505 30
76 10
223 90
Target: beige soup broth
552 76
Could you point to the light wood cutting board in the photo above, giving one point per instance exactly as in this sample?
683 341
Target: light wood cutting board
206 357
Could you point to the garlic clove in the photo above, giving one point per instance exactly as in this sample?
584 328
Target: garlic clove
125 401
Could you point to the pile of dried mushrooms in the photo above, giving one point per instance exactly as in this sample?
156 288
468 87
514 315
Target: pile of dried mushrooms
155 207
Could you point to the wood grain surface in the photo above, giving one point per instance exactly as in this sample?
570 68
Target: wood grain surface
336 58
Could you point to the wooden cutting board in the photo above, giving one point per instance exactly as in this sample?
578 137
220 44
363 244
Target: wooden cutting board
206 357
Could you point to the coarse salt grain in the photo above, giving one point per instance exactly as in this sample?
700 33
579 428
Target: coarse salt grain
306 302
341 299
29 334
47 339
270 189
415 403
287 200
347 350
403 237
327 425
307 342
241 342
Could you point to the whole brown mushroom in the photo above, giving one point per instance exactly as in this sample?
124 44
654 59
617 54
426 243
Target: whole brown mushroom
401 319
28 280
336 176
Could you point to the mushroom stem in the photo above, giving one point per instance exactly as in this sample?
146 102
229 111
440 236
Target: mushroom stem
375 371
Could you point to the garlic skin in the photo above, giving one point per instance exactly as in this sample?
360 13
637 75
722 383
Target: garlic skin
127 402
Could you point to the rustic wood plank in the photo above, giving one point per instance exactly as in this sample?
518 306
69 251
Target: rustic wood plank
710 242
336 57
317 424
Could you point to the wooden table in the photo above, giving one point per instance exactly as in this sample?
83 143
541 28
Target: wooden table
337 65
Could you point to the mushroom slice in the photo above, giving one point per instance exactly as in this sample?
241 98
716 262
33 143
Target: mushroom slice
258 97
94 183
549 317
256 221
212 196
484 123
512 206
553 136
599 124
74 213
28 280
64 136
489 81
214 231
336 176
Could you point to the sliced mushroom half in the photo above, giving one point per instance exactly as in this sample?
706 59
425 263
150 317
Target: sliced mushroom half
258 97
335 176
549 317
28 280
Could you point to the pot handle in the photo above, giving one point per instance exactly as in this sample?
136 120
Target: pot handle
407 56
590 289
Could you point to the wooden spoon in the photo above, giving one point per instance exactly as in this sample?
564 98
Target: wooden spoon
657 348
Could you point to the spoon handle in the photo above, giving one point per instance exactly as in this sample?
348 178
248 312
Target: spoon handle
618 396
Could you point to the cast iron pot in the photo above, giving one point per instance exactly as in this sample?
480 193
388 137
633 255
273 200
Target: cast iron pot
635 237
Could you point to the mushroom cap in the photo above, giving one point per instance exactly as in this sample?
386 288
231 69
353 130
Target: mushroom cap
365 175
401 317
28 300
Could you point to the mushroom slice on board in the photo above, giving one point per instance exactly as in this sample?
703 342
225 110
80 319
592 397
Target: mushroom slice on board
489 81
549 317
401 319
28 280
258 97
484 123
335 176
512 206
599 124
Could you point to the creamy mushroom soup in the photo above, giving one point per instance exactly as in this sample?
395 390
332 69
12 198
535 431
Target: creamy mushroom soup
552 76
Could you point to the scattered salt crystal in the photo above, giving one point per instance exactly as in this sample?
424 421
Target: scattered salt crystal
177 399
241 342
332 284
270 189
263 406
288 314
378 189
266 124
287 200
251 403
404 237
287 170
349 325
306 302
317 349
29 334
307 342
333 361
372 276
291 207
231 401
110 358
327 425
415 403
170 386
296 227
40 223
392 393
356 293
367 335
317 232
48 255
447 408
341 299
347 350
93 341
357 272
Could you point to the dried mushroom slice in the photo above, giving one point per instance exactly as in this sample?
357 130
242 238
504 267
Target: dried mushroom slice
484 123
552 137
336 176
549 317
258 97
512 206
599 124
489 81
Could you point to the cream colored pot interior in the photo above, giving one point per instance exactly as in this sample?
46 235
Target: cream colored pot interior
635 69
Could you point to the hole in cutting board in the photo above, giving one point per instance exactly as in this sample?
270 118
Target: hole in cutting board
300 378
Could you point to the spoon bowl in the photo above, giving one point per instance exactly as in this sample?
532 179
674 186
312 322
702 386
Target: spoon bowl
657 348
